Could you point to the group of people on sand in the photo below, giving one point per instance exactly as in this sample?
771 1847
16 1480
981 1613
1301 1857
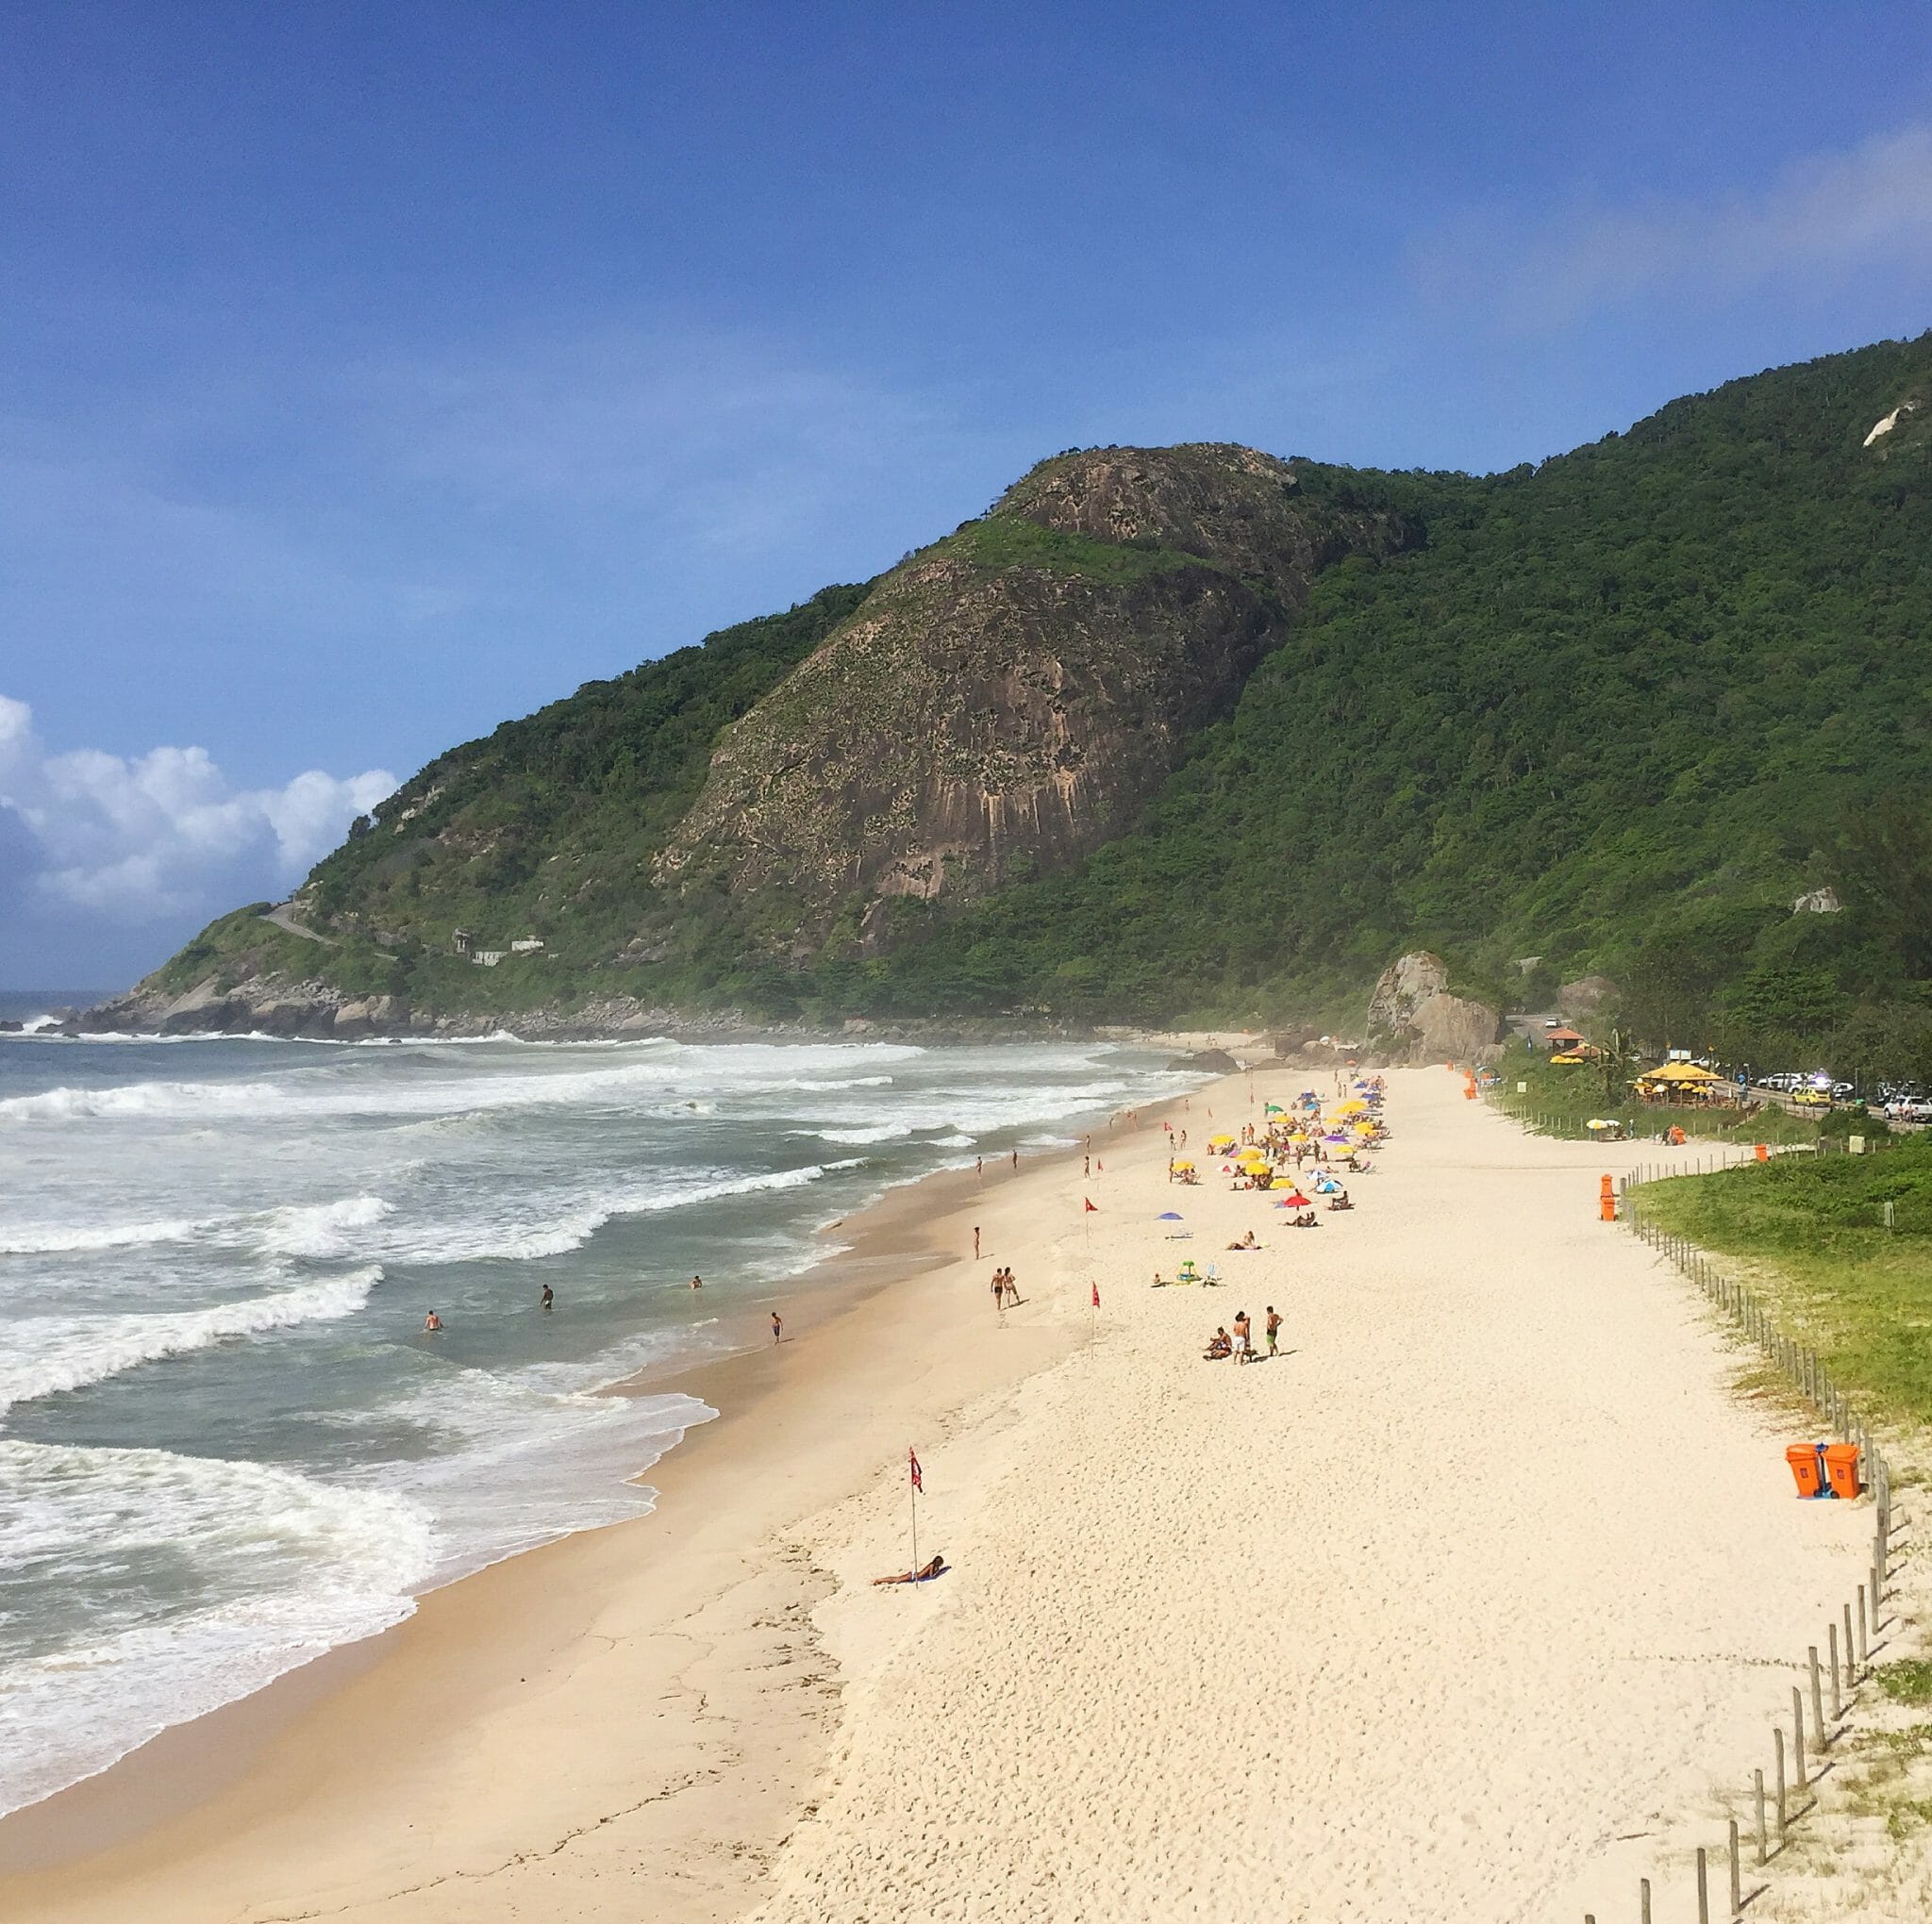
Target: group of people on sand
1240 1343
1005 1290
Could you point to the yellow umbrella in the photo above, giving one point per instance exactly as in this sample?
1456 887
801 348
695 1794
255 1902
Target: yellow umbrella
1354 1106
1183 1163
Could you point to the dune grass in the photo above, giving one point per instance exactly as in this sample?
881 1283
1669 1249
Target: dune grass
1813 1229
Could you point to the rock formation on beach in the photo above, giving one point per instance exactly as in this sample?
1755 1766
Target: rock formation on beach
1414 1018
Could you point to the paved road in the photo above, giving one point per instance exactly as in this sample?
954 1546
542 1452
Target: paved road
283 919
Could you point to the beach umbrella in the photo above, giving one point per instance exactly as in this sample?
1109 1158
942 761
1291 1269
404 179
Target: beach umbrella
1295 1201
1183 1163
1353 1107
1335 1137
1169 1215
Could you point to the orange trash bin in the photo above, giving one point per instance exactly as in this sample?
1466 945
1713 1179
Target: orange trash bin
1807 1469
1762 1152
1841 1468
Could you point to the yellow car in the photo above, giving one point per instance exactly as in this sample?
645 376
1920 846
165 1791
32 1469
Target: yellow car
1813 1098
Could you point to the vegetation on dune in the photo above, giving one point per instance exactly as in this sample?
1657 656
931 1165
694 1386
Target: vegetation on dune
1814 1229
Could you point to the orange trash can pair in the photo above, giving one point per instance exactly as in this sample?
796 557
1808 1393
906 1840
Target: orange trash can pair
1841 1469
1807 1469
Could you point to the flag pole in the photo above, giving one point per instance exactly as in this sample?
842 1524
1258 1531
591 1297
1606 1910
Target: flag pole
912 1495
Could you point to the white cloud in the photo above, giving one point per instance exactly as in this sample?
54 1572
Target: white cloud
1825 215
98 838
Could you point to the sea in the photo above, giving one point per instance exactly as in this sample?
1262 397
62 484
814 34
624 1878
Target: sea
227 1444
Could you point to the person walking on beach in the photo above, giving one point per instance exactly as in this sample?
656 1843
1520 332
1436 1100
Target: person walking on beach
1012 1289
1240 1337
777 1327
999 1289
979 1166
1274 1329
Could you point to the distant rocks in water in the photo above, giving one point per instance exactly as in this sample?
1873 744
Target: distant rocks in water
1206 1062
10 1028
1413 1017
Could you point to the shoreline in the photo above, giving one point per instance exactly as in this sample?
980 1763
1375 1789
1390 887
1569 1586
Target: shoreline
100 1842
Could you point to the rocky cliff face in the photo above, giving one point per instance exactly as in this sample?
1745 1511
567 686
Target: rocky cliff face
1413 1017
1007 701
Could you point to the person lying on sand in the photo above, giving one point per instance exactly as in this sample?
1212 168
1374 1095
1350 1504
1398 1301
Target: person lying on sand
1246 1242
1307 1219
922 1574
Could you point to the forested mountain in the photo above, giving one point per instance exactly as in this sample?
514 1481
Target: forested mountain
1199 732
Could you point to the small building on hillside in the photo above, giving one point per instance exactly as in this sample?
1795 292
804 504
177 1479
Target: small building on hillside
459 940
526 945
1561 1040
487 958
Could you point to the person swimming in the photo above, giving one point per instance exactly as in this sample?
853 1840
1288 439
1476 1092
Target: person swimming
431 1323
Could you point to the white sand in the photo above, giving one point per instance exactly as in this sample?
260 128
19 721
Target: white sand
1446 1615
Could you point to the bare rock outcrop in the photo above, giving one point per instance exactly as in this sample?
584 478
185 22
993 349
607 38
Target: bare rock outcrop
1413 1017
1006 699
1586 995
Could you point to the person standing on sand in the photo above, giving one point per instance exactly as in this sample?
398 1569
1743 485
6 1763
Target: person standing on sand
979 1166
1086 1165
1274 1329
1012 1289
975 1242
999 1289
1016 1159
1240 1337
777 1327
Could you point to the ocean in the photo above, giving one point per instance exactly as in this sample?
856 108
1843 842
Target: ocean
225 1442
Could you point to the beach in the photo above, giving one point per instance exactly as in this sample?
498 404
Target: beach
1469 1606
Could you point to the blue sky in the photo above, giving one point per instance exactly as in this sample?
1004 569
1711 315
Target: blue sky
370 373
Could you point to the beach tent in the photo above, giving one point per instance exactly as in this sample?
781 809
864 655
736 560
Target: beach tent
1681 1075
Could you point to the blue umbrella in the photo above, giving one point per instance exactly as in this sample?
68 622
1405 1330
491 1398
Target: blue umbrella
1169 1215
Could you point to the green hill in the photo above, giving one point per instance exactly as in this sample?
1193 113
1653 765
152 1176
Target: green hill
1196 732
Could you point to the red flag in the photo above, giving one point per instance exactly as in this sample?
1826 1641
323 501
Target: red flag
1087 1203
1096 1296
912 1458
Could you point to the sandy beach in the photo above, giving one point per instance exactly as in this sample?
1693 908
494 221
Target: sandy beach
1459 1609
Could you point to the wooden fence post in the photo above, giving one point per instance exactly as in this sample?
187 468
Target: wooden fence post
1798 1739
1737 1872
1702 1888
1783 1811
1818 1725
1758 1789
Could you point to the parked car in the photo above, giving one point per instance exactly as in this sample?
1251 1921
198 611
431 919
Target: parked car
1813 1098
